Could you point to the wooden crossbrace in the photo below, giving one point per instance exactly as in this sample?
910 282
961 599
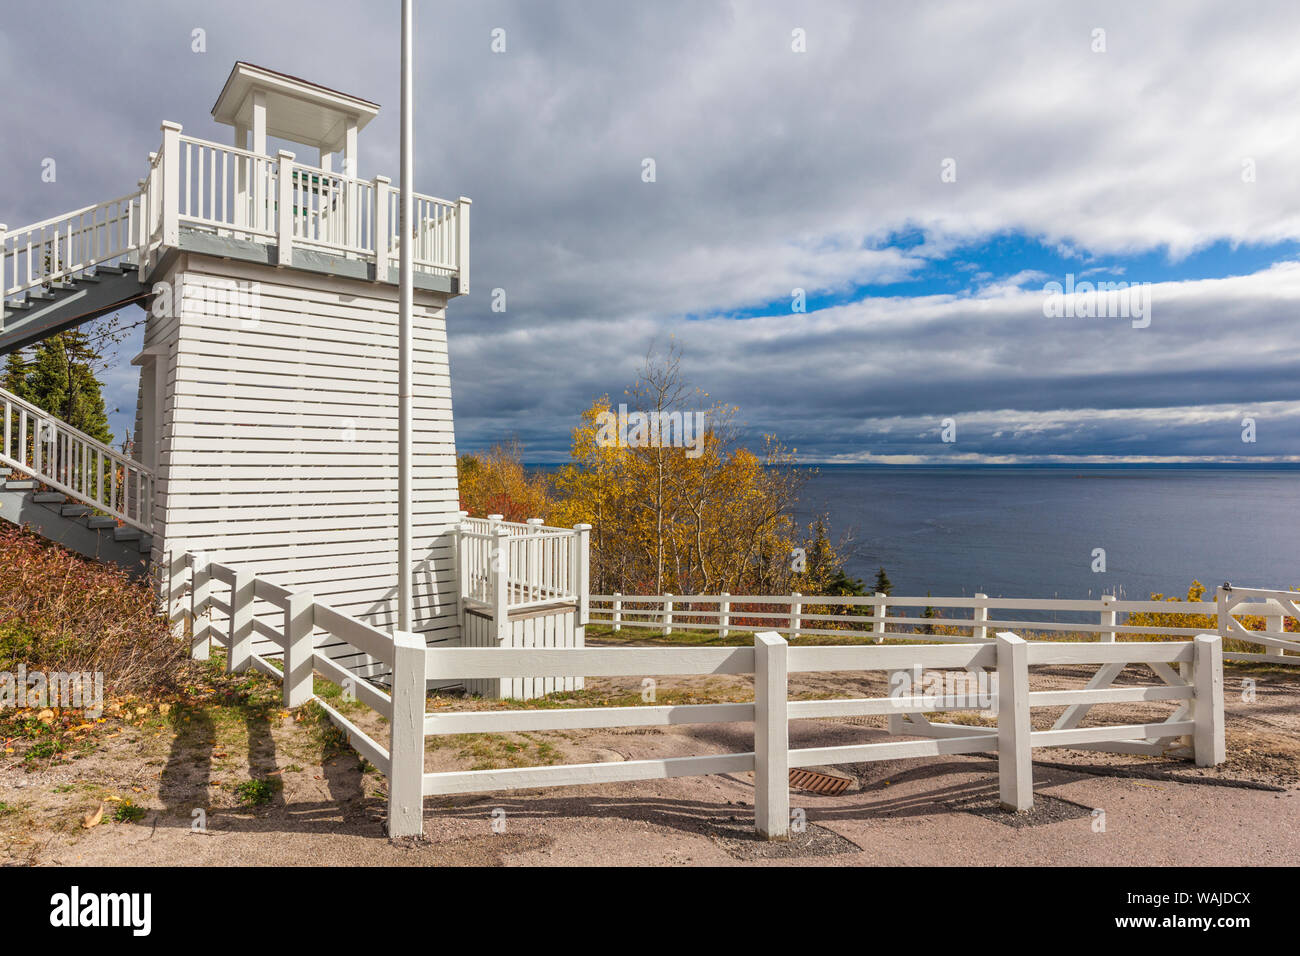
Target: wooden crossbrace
1105 677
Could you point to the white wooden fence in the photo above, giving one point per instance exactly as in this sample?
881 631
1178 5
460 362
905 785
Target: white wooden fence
882 616
771 660
297 624
194 587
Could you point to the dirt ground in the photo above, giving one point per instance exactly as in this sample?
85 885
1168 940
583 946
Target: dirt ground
237 780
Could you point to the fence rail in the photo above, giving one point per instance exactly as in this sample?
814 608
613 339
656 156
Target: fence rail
886 616
69 461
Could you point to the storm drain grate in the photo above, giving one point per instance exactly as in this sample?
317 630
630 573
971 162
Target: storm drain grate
815 782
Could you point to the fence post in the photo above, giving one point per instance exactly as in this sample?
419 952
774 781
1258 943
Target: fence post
406 743
1015 751
462 245
668 614
796 608
1207 706
176 567
1277 624
724 614
200 622
879 627
4 283
981 614
617 613
299 648
171 184
583 565
501 583
771 737
458 562
1221 616
1108 619
382 229
285 218
240 644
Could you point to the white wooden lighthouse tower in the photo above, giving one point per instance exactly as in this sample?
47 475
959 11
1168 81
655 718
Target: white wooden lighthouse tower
268 414
268 398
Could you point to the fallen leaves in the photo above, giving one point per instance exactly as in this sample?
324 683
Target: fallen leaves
93 819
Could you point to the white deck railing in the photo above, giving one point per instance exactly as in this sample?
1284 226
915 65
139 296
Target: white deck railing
57 455
507 566
238 194
880 616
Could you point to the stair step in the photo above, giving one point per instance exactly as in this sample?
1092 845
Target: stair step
130 267
19 485
18 305
95 522
62 287
109 270
86 277
126 534
145 543
49 497
75 511
40 296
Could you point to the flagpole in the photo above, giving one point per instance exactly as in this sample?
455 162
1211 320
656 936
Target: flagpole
405 301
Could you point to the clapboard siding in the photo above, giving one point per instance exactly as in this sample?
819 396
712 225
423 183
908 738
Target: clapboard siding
278 444
557 628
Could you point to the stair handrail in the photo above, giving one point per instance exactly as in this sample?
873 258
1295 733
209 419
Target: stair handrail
75 240
75 464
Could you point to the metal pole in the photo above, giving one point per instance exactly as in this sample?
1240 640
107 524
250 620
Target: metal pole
405 301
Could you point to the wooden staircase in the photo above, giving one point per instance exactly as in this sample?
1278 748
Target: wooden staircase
73 489
77 527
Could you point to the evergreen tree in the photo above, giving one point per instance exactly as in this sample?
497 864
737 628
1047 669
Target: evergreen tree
929 613
15 373
60 378
883 584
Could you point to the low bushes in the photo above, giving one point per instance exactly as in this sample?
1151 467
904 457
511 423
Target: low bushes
62 612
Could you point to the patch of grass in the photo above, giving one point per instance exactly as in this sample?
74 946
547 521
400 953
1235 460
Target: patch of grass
255 793
44 749
7 808
495 751
128 812
332 741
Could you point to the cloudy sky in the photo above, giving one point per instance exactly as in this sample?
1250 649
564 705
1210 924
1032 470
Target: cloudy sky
915 172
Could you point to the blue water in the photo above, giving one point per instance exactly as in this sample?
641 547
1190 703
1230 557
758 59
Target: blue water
1031 531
